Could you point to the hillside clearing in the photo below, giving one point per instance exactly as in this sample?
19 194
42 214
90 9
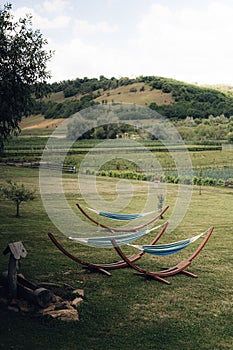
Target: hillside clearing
126 95
39 122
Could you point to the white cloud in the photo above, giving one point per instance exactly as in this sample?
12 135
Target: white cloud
79 59
53 6
85 27
42 22
56 23
188 44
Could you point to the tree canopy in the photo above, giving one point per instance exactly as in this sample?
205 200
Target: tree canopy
23 71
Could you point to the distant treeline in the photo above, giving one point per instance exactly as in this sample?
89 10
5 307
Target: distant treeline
189 100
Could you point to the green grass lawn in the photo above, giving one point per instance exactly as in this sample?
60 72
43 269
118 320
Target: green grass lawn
124 311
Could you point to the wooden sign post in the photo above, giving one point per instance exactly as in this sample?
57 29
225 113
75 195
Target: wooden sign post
16 251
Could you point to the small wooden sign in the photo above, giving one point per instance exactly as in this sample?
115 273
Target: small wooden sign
16 249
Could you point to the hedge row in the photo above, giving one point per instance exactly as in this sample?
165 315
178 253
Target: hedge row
187 180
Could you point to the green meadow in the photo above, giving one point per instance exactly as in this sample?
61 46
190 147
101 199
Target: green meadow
124 311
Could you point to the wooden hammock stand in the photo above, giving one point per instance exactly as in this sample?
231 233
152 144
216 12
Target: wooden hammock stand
116 265
166 272
103 268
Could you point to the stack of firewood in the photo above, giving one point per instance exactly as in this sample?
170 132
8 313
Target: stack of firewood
65 310
48 299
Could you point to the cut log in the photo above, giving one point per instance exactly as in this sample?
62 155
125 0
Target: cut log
42 297
22 280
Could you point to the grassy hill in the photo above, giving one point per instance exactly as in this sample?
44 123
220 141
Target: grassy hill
171 98
138 93
200 112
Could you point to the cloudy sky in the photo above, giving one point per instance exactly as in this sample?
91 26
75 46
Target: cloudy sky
185 40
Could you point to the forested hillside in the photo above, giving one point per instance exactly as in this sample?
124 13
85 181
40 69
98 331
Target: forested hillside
174 99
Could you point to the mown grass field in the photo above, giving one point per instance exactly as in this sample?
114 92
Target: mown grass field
145 97
124 311
39 122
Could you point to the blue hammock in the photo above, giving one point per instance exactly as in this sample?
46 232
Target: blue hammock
119 216
166 249
120 239
169 248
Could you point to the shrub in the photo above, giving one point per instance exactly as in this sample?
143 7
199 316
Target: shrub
209 181
133 89
220 182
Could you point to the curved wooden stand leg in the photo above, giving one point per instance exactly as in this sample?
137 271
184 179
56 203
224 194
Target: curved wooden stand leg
189 274
167 272
139 270
180 267
135 257
92 267
103 267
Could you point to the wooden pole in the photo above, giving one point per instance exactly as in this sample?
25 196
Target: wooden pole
16 251
12 276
